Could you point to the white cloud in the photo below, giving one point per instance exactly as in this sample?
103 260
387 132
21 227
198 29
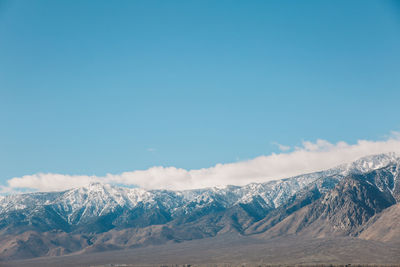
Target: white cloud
50 181
282 147
310 157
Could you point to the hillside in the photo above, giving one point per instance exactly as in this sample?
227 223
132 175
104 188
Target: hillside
357 202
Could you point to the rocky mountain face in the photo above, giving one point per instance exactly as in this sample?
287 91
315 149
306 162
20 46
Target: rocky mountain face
348 200
384 226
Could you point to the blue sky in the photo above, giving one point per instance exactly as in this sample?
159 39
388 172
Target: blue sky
96 87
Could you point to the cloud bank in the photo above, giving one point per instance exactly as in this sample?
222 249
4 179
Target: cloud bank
310 157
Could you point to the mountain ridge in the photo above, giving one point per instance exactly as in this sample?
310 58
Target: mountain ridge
336 202
279 190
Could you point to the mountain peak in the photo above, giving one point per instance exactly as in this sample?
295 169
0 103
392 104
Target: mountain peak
353 193
98 186
373 162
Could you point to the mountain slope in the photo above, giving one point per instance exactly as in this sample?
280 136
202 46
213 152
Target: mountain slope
337 202
78 206
384 226
339 212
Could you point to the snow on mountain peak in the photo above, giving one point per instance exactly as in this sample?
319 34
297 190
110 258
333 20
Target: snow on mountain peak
372 162
98 199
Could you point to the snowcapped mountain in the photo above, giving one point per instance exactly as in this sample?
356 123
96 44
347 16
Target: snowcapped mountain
98 216
369 163
81 204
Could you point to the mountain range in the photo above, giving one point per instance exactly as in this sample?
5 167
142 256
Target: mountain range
359 201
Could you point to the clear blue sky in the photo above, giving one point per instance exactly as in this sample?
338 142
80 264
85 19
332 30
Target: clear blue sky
90 87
